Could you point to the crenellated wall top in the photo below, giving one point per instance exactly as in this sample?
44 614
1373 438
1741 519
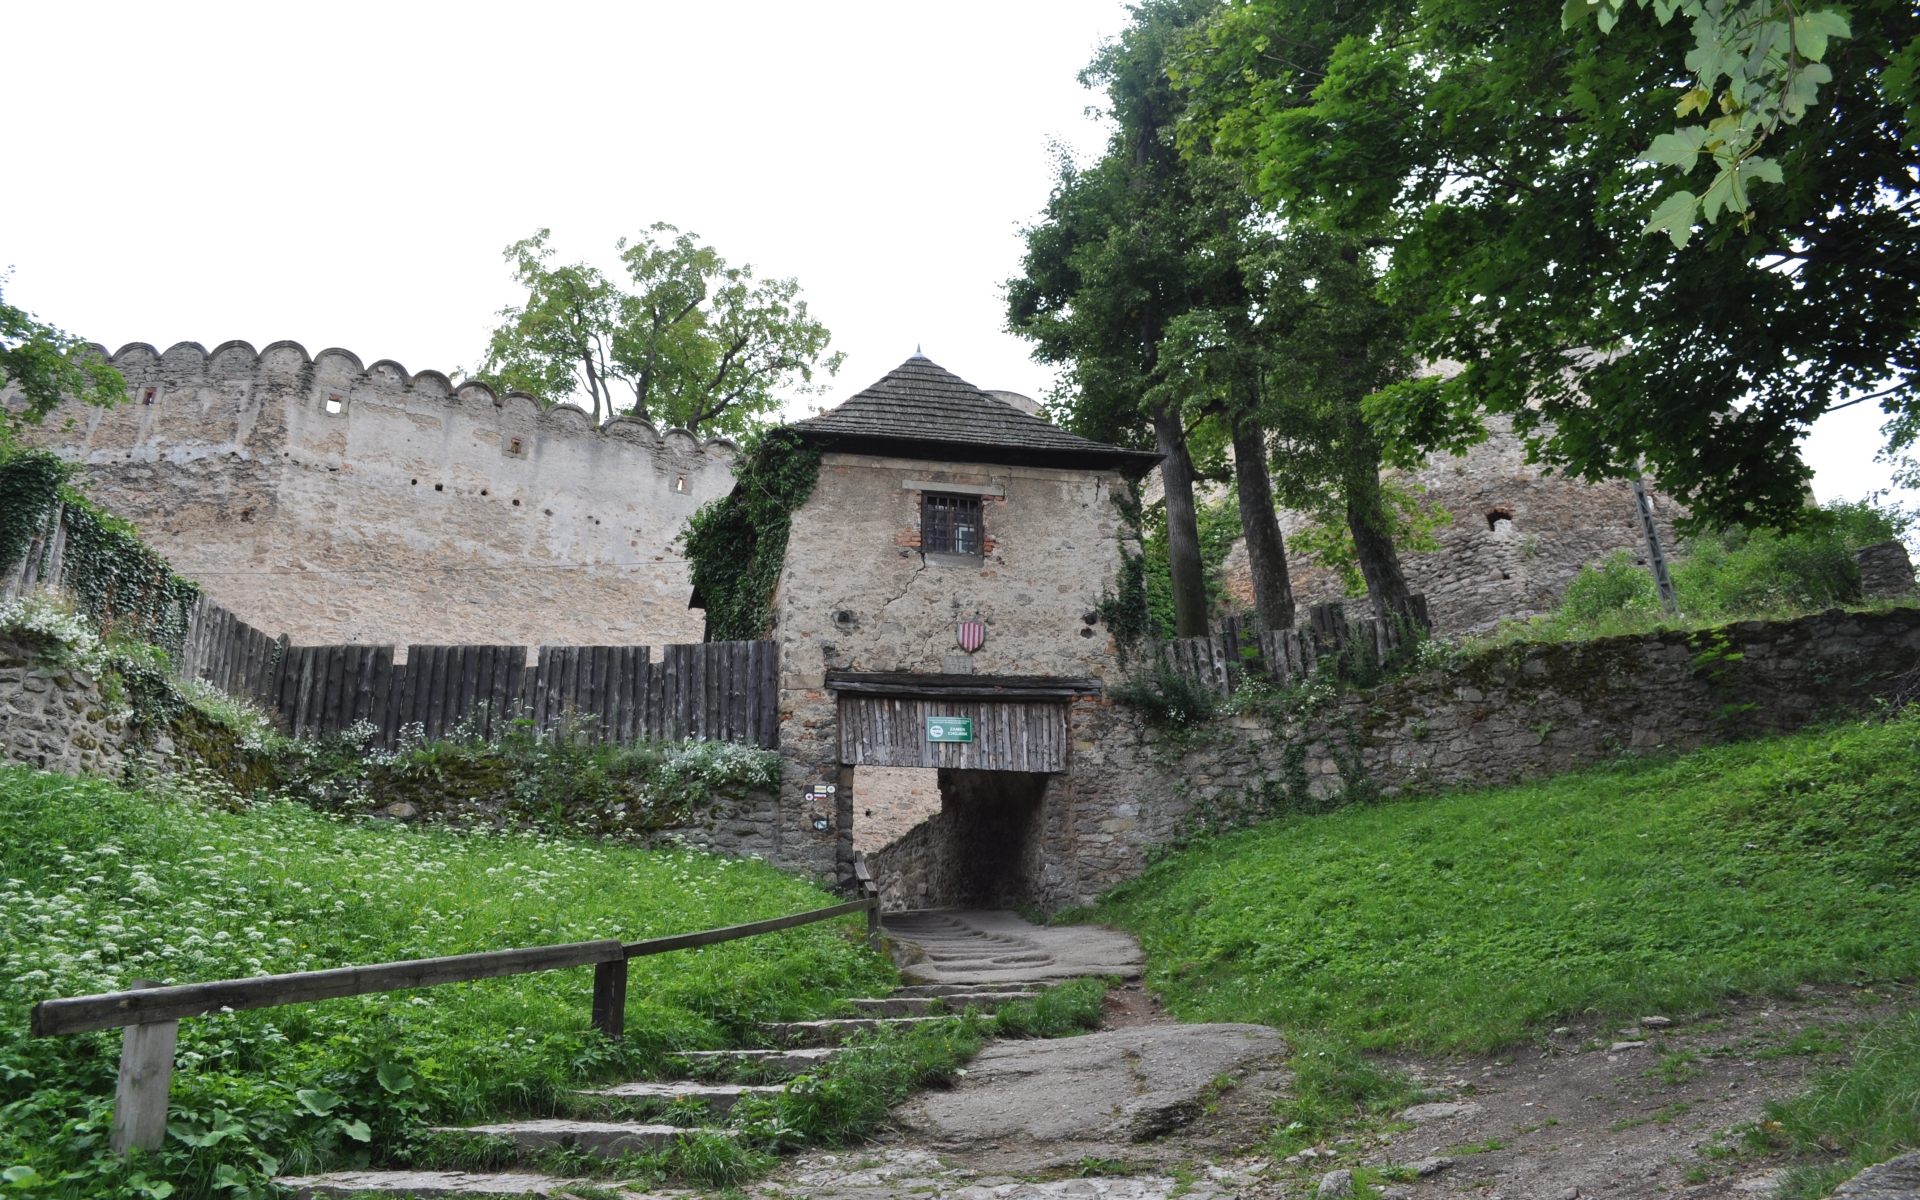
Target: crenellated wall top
389 379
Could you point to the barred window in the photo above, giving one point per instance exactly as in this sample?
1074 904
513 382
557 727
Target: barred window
950 524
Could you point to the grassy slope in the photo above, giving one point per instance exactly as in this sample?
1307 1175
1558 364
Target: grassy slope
98 886
1466 921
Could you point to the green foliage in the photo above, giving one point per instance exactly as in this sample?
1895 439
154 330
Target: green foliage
1869 1109
1411 522
48 366
1492 161
1615 586
30 482
1169 699
698 344
1060 1011
1474 920
116 580
1125 607
127 591
737 543
1769 52
102 885
560 783
1730 575
1218 521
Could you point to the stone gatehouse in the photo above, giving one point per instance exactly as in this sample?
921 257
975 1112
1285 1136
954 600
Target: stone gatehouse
947 570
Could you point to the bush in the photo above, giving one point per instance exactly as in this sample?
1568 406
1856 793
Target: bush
1725 575
1615 586
1168 698
562 782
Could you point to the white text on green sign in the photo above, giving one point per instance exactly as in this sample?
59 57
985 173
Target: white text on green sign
949 729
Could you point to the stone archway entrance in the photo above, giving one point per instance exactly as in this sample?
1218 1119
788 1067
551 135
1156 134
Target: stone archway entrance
979 823
985 847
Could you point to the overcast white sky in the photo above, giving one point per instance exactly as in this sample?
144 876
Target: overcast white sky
347 174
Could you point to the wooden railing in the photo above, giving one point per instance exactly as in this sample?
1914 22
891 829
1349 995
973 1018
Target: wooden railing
151 1014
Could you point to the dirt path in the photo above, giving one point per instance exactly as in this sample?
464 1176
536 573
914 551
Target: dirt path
1586 1114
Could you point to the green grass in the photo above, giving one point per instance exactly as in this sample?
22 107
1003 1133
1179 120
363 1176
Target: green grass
1478 919
100 885
1867 1111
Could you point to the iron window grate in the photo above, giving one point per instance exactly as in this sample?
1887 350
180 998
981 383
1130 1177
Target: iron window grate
950 524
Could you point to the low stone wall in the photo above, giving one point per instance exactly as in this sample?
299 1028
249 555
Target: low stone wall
1518 712
54 718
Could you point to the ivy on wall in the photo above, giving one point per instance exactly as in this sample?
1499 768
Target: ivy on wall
119 582
1125 610
737 543
30 482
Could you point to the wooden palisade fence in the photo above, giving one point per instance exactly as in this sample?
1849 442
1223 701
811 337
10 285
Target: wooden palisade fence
1288 656
151 1014
714 691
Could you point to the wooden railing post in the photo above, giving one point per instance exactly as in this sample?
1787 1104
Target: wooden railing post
870 891
146 1075
610 998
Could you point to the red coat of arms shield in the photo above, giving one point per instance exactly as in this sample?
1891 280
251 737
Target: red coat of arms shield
973 635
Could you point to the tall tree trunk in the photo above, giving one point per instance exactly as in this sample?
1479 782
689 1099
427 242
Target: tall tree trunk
1183 529
1266 552
1373 544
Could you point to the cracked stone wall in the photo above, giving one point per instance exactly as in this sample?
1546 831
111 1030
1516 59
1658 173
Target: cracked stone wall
340 503
1518 537
856 593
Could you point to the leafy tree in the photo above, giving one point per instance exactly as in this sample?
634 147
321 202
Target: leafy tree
1496 160
1128 248
48 365
1333 341
695 343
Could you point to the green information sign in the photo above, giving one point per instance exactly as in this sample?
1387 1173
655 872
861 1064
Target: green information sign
949 729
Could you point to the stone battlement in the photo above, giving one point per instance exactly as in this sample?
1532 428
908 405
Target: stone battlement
347 502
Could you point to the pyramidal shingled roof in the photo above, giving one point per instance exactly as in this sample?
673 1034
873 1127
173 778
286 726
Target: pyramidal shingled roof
921 410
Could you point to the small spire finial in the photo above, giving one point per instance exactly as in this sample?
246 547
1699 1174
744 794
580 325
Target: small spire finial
916 351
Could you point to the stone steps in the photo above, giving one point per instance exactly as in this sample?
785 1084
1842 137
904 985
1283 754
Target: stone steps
604 1139
955 989
834 1032
718 1097
433 1185
957 1001
790 1061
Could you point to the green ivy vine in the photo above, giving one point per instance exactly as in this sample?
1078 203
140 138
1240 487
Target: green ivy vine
117 581
737 543
1124 608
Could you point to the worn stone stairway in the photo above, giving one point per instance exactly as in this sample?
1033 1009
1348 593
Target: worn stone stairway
954 961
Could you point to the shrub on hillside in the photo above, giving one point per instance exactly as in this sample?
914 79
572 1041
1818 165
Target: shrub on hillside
1726 575
563 782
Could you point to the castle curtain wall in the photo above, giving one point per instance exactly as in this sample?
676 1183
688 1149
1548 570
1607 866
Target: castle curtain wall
341 503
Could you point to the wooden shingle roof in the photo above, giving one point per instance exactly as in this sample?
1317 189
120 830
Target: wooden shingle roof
920 410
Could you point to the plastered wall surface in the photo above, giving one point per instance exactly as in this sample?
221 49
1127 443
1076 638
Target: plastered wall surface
857 594
342 503
889 801
1515 566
